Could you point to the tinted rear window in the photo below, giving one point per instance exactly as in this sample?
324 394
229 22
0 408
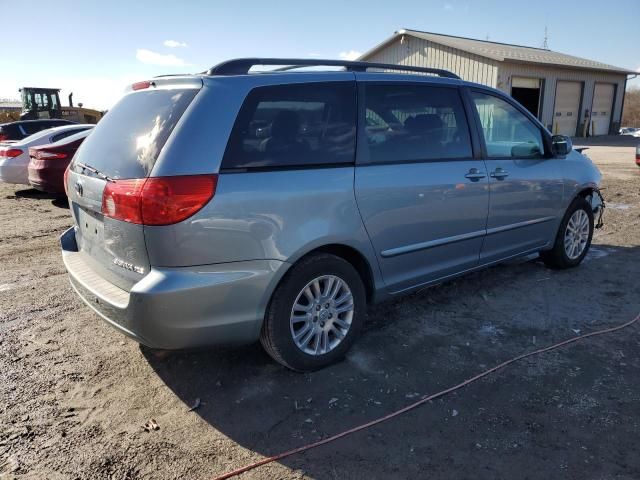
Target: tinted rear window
294 125
127 141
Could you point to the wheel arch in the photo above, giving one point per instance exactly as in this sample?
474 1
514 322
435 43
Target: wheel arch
356 258
583 190
587 192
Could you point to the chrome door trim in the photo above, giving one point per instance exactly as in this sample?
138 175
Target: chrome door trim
514 226
392 252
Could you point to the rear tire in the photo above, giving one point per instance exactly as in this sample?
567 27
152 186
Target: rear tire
573 238
315 314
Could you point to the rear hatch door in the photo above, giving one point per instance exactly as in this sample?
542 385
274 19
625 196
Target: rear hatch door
124 145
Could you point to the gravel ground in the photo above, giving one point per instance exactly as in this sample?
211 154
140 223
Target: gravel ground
75 394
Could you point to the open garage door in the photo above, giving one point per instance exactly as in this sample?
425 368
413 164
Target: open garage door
527 92
567 108
601 108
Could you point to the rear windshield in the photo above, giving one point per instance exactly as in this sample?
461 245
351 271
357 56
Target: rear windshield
127 141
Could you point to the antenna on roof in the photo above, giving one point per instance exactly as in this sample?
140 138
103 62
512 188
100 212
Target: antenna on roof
545 43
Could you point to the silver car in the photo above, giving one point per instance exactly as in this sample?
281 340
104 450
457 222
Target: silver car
231 206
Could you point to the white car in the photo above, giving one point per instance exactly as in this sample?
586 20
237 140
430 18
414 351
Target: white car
634 132
14 155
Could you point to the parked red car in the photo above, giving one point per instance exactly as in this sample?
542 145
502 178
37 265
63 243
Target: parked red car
48 162
638 155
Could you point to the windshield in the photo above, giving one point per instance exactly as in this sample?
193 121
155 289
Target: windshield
127 142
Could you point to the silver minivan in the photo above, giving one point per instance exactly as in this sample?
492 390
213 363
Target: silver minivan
235 205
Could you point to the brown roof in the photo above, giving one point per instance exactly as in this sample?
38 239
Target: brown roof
503 51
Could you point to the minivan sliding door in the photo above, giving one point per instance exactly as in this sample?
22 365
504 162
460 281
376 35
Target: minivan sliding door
422 195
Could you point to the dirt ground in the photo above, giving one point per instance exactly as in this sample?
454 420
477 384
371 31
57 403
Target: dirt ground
74 394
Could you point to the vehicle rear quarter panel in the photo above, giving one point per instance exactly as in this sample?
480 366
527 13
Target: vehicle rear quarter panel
274 215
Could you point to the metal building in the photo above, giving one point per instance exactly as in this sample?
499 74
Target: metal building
570 95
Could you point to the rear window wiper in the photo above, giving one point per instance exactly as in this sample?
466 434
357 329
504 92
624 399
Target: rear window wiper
95 171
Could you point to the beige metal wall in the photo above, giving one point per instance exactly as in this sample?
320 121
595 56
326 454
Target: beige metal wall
422 53
551 75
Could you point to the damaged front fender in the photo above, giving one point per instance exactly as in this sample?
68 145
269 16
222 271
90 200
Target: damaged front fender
597 207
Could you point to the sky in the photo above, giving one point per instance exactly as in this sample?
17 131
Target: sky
96 48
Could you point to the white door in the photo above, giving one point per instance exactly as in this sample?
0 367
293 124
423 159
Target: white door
601 108
567 109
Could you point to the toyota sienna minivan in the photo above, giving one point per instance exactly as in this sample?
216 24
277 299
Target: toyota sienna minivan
234 205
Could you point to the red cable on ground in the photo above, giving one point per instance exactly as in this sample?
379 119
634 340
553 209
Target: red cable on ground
423 400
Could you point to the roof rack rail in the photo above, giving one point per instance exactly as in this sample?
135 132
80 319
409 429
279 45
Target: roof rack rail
241 66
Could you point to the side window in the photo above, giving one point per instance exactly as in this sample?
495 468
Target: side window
508 133
68 133
415 122
294 125
32 127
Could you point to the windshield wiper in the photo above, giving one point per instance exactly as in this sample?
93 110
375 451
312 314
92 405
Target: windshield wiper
95 171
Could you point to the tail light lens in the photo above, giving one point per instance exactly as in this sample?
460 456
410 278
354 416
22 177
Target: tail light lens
44 154
10 152
65 180
158 200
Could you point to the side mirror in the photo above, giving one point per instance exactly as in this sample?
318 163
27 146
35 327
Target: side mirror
561 145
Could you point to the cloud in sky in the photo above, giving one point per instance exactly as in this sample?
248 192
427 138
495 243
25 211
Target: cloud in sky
174 44
154 58
350 55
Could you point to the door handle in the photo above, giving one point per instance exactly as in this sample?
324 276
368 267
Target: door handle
474 175
499 173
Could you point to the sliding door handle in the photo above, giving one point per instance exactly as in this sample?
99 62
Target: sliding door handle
499 173
474 175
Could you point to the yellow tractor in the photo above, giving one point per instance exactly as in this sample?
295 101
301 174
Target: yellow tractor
40 102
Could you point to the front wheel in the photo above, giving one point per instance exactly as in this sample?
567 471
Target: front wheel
315 313
574 237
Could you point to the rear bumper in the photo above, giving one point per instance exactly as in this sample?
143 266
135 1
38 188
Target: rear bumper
47 178
13 172
177 308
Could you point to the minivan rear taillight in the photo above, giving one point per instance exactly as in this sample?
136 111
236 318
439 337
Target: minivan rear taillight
10 152
157 200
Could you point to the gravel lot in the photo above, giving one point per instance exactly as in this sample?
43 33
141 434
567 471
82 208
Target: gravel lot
74 394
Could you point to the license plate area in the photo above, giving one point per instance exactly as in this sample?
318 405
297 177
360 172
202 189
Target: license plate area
90 235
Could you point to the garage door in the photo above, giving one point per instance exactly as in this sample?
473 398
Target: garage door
567 108
601 108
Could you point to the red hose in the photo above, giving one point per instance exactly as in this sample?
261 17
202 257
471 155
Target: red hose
423 400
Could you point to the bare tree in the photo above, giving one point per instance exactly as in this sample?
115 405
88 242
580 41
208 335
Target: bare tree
631 113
